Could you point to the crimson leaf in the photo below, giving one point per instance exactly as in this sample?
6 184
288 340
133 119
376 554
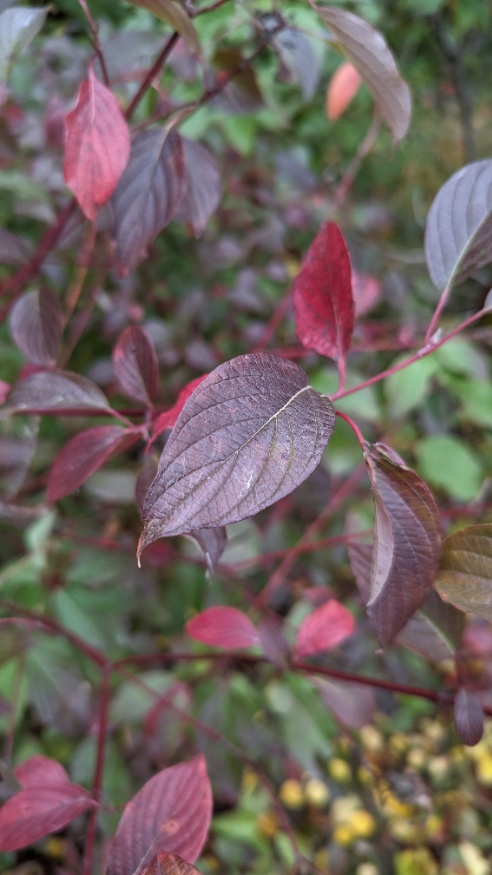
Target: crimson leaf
223 627
47 802
369 53
325 628
248 435
83 455
36 324
468 717
169 418
170 813
148 194
458 232
97 146
407 542
135 365
323 300
57 391
204 185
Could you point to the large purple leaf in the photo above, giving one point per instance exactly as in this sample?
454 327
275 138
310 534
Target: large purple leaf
35 324
57 392
369 53
83 455
407 542
204 186
248 435
148 194
323 298
46 803
170 813
135 365
458 233
465 572
169 864
468 717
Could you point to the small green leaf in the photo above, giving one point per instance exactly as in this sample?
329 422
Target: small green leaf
446 462
406 389
464 577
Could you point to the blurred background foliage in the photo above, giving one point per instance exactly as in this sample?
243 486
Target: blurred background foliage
398 793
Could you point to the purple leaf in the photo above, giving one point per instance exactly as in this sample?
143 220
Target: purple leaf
47 802
407 542
241 94
83 455
297 53
352 704
36 324
248 435
369 53
57 392
323 300
465 572
325 628
204 186
435 631
135 365
458 233
169 418
170 813
148 194
468 717
169 864
212 543
223 627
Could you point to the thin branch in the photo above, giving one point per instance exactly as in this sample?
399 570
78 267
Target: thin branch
152 73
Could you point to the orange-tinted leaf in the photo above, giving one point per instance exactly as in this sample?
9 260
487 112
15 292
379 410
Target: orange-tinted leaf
344 85
325 628
97 146
407 542
223 627
169 864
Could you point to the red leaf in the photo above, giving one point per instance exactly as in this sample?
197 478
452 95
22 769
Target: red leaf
468 717
135 365
149 193
4 391
36 324
223 627
344 85
169 417
83 455
204 185
169 864
97 146
170 813
325 628
47 802
366 291
323 302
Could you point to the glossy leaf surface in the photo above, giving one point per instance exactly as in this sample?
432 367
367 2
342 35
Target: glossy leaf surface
135 365
468 717
83 455
204 185
170 813
97 146
458 232
57 391
465 571
248 435
344 85
223 627
369 53
36 324
174 13
323 300
46 803
325 628
149 193
407 542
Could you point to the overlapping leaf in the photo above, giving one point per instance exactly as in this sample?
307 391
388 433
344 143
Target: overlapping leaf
36 324
18 27
169 418
174 13
223 627
458 233
135 365
407 542
297 53
465 571
323 299
149 193
344 85
57 391
369 53
204 185
169 864
468 717
171 813
325 628
352 704
248 435
212 543
83 455
97 146
46 803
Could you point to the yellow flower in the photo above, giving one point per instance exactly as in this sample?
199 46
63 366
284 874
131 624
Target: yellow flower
339 770
292 794
316 793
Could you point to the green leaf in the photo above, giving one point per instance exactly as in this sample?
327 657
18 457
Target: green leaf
175 14
447 462
406 389
464 577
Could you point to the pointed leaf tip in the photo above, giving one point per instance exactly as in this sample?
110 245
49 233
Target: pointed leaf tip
248 435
